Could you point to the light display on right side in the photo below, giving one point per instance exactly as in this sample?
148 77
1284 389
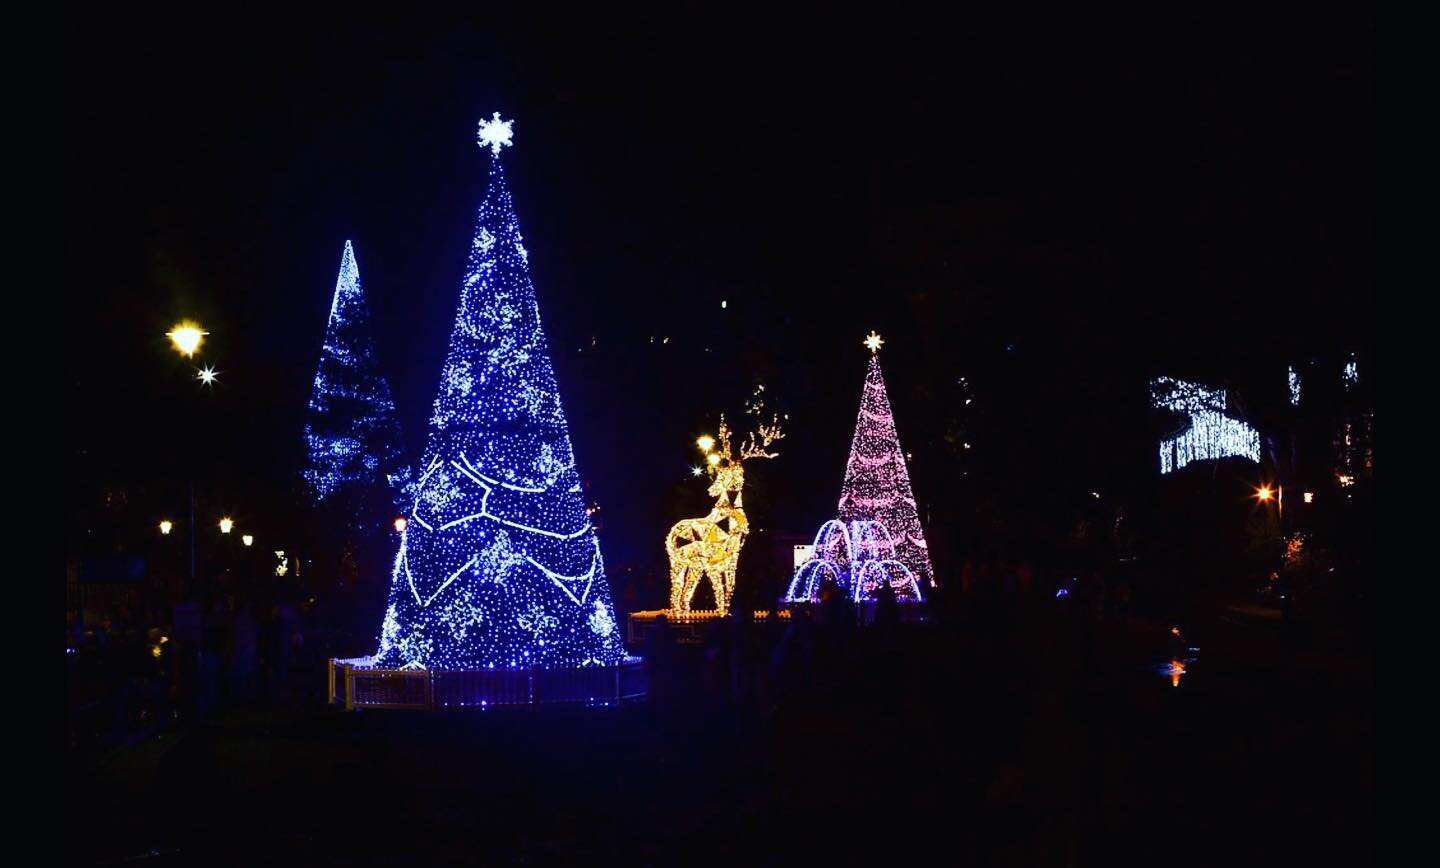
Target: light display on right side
877 483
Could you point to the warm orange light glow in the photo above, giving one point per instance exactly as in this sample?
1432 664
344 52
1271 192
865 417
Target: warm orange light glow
401 523
248 540
165 527
1309 497
1346 481
713 458
1174 631
186 337
706 443
1176 670
226 525
1264 492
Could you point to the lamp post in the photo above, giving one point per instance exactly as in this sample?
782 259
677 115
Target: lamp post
1265 495
186 338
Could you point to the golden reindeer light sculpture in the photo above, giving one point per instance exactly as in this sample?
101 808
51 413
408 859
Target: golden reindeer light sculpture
709 547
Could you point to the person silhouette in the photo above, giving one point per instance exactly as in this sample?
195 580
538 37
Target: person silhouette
887 612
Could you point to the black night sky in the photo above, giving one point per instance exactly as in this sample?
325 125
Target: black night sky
1053 209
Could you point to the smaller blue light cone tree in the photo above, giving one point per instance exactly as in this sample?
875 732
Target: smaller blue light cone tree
499 566
354 470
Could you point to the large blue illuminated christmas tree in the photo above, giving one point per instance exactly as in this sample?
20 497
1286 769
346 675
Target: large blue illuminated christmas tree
354 470
499 565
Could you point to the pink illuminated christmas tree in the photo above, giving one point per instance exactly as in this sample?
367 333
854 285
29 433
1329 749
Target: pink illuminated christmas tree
877 485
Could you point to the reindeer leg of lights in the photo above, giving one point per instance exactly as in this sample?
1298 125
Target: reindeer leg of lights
684 545
724 579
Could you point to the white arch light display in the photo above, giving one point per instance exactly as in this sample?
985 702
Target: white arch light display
1210 434
858 558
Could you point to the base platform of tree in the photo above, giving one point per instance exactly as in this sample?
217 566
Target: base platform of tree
357 683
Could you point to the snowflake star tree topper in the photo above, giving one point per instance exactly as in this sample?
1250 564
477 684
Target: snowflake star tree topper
874 342
495 133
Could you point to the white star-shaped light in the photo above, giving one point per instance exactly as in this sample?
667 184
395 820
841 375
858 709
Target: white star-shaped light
207 375
697 471
874 342
495 133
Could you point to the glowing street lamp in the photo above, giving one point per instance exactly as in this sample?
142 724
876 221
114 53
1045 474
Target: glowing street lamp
713 458
226 525
186 337
248 540
1265 494
706 443
165 527
401 523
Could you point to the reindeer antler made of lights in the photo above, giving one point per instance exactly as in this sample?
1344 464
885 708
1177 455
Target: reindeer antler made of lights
768 434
